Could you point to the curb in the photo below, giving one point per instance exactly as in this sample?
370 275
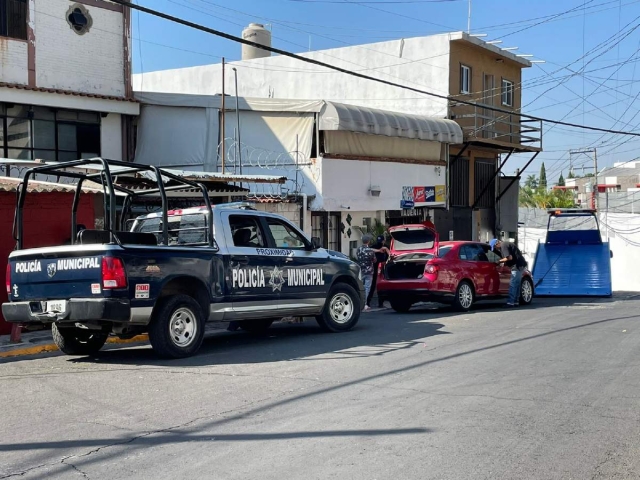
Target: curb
51 347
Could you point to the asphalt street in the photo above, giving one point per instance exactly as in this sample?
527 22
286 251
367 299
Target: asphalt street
551 391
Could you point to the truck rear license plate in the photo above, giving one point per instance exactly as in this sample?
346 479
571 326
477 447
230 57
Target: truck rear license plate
56 306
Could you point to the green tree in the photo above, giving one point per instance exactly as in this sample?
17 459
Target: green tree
571 174
543 178
561 182
531 182
546 198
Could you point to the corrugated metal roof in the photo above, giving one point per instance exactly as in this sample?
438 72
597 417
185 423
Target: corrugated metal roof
226 177
351 118
10 184
66 92
202 177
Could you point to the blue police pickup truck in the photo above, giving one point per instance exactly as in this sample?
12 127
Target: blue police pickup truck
173 271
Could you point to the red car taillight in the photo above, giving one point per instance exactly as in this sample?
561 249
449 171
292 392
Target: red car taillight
431 269
113 273
8 279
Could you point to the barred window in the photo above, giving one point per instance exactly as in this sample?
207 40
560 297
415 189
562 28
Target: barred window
13 18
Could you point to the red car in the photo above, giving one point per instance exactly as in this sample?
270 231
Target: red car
420 268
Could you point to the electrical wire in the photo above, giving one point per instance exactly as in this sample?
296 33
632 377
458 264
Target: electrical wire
352 73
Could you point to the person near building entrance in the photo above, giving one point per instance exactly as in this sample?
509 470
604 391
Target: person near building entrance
366 258
511 257
381 257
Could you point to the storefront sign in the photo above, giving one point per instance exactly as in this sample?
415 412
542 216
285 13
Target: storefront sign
423 196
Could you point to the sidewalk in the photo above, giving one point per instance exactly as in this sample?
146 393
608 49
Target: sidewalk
33 343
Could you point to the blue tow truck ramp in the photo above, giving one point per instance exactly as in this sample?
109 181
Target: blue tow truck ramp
573 260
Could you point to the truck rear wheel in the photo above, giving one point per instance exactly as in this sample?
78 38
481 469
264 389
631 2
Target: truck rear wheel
78 341
342 310
177 327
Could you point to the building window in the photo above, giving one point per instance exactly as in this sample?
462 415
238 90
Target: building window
507 93
30 133
465 79
79 19
13 18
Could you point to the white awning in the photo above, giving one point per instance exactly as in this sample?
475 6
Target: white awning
339 116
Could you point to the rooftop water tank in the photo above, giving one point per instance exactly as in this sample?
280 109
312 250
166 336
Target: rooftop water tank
256 33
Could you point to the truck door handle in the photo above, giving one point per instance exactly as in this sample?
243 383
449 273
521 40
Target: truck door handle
242 260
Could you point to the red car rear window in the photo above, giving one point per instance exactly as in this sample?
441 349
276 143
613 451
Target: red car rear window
421 239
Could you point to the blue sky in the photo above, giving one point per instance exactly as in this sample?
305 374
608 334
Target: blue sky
600 89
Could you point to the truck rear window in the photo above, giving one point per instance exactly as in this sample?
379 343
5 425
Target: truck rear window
188 229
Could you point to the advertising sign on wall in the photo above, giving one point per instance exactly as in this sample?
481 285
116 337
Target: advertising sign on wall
424 196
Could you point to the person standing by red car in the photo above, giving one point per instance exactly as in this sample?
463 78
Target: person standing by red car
381 257
511 256
366 258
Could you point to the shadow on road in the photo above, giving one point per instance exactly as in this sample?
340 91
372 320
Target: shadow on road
375 335
170 437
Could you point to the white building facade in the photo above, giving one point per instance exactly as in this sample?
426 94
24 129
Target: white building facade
65 80
346 166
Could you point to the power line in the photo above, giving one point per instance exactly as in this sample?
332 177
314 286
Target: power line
286 53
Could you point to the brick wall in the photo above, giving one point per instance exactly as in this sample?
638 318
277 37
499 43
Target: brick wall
47 221
290 211
89 63
13 61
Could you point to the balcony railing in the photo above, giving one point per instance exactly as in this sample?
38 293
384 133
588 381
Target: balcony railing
507 129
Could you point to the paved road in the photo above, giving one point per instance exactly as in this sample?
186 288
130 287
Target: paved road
547 392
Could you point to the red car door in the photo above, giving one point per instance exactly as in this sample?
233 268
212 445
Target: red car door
502 273
479 269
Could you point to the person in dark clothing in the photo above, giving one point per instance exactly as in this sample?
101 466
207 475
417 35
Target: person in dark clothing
381 257
511 256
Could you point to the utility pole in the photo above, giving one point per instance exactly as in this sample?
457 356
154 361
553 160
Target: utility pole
238 144
222 126
595 166
469 19
585 151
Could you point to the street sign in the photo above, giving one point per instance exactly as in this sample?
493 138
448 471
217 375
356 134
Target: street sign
407 204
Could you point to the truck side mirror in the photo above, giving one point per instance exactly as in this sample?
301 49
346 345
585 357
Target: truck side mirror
610 253
315 243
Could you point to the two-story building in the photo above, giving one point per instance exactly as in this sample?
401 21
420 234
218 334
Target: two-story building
457 66
65 80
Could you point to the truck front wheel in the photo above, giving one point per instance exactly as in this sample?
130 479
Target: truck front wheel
342 310
177 327
78 341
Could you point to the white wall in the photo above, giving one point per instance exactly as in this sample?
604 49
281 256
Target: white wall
272 77
89 63
111 137
13 61
347 182
623 233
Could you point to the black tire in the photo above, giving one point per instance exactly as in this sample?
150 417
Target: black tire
256 326
177 327
465 296
401 305
342 309
526 296
78 341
